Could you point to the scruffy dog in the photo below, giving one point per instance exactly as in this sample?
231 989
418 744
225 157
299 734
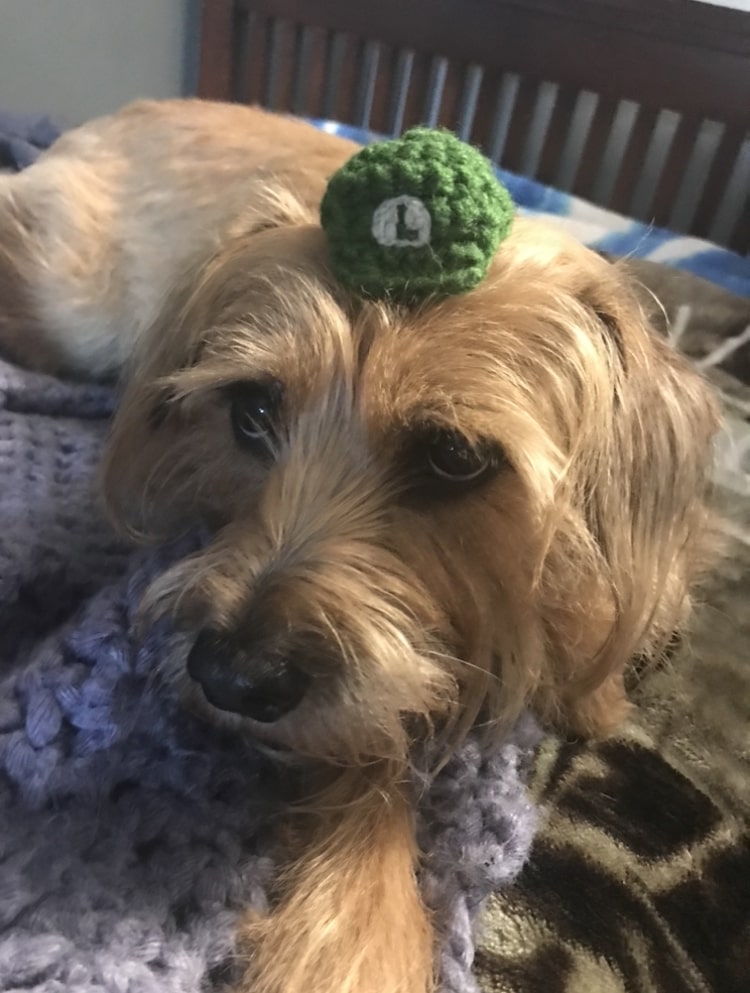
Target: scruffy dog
424 519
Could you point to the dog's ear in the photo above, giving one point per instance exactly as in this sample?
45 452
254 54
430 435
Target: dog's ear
645 498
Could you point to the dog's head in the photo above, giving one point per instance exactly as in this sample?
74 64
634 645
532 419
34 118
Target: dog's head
422 518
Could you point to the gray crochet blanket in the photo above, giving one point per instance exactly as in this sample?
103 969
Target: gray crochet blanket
132 835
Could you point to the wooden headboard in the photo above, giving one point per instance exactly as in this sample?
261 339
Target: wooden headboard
642 106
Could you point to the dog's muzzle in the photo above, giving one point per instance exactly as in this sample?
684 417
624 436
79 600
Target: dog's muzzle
262 686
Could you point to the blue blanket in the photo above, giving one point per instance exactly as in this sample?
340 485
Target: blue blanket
23 137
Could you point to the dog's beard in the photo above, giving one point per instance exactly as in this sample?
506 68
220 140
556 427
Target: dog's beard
377 669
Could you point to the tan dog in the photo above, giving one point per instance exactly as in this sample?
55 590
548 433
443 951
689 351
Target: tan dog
424 520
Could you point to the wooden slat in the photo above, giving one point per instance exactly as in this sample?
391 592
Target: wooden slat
575 139
216 46
621 127
253 86
333 62
315 89
556 133
417 94
741 236
523 111
652 165
435 91
694 175
366 83
350 65
400 86
589 171
718 178
453 88
670 185
280 66
632 161
538 128
467 108
382 93
736 199
505 110
303 62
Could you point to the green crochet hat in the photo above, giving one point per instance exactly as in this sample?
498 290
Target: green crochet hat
415 217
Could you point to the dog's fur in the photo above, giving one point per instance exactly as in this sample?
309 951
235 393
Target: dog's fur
177 245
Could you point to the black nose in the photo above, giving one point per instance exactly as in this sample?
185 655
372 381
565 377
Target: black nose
261 685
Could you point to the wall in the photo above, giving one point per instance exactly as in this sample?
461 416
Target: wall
78 58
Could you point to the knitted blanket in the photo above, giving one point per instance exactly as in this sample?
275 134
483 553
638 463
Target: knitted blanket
23 137
133 835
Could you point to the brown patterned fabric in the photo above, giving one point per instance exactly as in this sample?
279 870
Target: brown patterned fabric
639 881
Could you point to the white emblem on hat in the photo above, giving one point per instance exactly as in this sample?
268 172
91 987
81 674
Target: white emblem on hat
402 222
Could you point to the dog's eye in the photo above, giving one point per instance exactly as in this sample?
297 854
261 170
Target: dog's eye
254 409
452 457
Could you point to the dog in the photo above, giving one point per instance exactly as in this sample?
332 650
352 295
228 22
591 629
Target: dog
424 520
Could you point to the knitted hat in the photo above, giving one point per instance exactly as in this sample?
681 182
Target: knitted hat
415 217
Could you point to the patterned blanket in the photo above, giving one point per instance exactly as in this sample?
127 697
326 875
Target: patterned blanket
639 879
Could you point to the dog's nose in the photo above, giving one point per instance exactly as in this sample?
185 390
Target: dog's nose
263 686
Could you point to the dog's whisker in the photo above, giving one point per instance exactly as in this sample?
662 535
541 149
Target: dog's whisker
454 662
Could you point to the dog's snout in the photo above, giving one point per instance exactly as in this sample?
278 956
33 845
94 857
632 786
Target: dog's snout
261 685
